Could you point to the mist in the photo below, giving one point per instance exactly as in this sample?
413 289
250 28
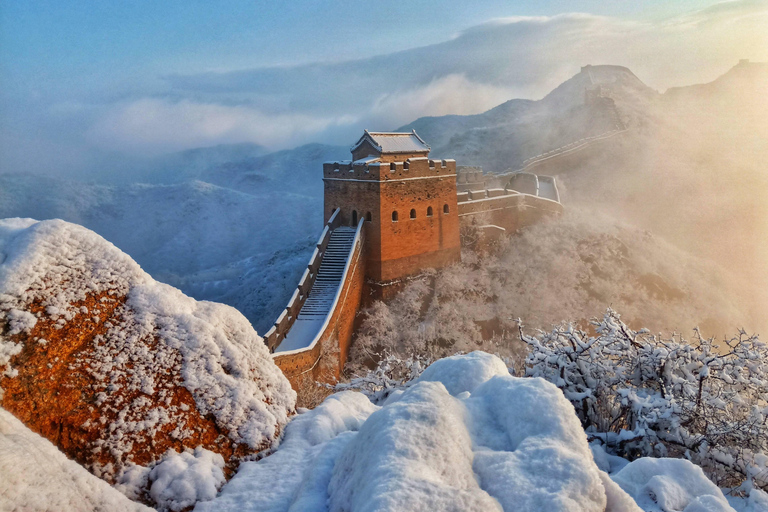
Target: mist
666 223
101 125
692 171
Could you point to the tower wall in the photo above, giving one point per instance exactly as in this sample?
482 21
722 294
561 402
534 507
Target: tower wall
402 247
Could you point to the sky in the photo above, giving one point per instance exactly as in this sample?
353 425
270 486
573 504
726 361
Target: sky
85 82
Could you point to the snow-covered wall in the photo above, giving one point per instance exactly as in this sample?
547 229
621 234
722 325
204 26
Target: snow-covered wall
326 352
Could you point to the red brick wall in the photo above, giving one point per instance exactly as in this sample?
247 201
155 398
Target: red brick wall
398 249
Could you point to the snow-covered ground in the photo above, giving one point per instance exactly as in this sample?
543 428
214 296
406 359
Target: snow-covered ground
34 476
465 436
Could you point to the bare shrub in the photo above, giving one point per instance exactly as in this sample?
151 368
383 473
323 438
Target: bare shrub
647 395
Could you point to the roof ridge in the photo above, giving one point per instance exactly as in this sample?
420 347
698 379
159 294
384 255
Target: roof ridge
415 145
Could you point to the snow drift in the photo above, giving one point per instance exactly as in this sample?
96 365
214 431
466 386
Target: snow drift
494 442
115 368
464 436
34 475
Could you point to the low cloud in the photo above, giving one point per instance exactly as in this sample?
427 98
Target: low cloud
522 57
452 94
152 126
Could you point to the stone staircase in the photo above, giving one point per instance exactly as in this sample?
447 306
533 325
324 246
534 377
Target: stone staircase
320 298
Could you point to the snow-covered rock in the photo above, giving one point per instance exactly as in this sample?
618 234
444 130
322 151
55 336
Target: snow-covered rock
116 368
35 476
182 479
465 436
662 485
296 476
464 373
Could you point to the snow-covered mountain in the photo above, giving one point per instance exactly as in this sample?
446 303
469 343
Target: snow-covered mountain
745 79
241 237
235 224
506 135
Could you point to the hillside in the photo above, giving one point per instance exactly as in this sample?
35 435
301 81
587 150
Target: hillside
746 78
199 237
505 136
563 270
693 173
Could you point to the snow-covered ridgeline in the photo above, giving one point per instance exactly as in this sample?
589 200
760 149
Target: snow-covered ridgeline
34 475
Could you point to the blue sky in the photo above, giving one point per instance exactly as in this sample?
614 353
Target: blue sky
82 78
101 38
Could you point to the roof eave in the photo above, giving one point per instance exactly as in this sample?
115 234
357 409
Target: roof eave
366 136
420 139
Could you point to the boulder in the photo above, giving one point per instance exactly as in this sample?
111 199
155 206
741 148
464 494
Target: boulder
114 368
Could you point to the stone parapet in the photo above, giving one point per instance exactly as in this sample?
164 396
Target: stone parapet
324 359
420 167
276 334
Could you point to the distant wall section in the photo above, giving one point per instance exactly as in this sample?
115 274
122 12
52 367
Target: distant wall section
505 209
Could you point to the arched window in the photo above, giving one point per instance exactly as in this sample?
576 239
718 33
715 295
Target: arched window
394 216
406 165
429 211
354 217
413 213
392 167
368 217
446 209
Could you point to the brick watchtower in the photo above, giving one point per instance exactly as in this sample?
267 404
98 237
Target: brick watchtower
408 201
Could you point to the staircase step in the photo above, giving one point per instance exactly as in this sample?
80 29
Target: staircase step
328 280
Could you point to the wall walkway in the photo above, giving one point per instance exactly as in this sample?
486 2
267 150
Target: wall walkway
311 336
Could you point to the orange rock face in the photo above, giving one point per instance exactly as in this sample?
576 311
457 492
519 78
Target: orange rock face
129 369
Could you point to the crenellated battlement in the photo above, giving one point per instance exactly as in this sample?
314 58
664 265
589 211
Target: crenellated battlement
419 167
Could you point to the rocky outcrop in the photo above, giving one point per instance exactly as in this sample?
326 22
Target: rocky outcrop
115 368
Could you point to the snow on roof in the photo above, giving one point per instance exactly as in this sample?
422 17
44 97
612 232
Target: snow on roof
367 160
394 142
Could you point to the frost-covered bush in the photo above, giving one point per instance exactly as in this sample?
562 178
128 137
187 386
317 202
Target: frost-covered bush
646 395
563 269
391 373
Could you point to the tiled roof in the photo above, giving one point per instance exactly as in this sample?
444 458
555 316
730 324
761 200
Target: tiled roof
394 142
